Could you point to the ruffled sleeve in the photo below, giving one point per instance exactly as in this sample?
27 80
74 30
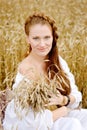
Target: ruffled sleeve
29 121
18 78
74 89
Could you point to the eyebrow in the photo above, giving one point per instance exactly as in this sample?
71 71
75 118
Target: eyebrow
35 36
48 36
39 36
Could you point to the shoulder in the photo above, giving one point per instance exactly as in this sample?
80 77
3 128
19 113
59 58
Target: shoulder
63 64
23 66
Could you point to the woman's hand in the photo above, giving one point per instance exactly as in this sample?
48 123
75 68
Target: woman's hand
58 99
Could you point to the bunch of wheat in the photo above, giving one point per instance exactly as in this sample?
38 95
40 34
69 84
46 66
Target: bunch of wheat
35 94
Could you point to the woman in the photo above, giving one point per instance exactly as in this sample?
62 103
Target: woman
43 59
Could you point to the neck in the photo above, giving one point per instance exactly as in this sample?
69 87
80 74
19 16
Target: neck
36 58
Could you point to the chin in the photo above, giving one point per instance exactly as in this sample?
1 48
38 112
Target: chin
43 54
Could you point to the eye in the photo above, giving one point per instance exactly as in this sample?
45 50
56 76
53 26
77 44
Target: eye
47 37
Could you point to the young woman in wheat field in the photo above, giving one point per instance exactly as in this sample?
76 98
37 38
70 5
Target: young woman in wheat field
60 110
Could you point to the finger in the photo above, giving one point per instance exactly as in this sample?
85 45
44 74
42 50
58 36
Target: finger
50 95
49 104
58 92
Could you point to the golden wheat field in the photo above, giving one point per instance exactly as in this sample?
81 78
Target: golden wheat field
71 20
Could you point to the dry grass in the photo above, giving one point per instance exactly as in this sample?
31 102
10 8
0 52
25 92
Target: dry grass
71 19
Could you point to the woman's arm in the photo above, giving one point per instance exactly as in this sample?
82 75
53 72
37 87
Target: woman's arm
75 96
60 112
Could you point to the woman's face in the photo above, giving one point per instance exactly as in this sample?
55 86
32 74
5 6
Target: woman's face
40 38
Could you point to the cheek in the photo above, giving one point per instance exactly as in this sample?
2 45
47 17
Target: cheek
32 44
50 43
49 46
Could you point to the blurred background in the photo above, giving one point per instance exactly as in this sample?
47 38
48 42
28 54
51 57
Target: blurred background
71 20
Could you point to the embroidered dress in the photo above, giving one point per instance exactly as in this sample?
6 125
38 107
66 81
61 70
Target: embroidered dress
76 119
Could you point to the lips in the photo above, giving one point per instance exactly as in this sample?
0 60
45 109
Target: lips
41 49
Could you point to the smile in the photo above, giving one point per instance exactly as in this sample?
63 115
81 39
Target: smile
41 49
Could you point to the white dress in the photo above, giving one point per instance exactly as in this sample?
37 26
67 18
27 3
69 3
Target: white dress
75 120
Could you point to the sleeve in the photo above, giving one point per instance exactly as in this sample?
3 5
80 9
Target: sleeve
18 78
74 89
48 118
10 117
29 120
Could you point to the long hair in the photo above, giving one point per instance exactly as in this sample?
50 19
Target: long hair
53 65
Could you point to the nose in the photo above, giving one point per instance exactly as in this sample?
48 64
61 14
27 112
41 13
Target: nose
42 42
